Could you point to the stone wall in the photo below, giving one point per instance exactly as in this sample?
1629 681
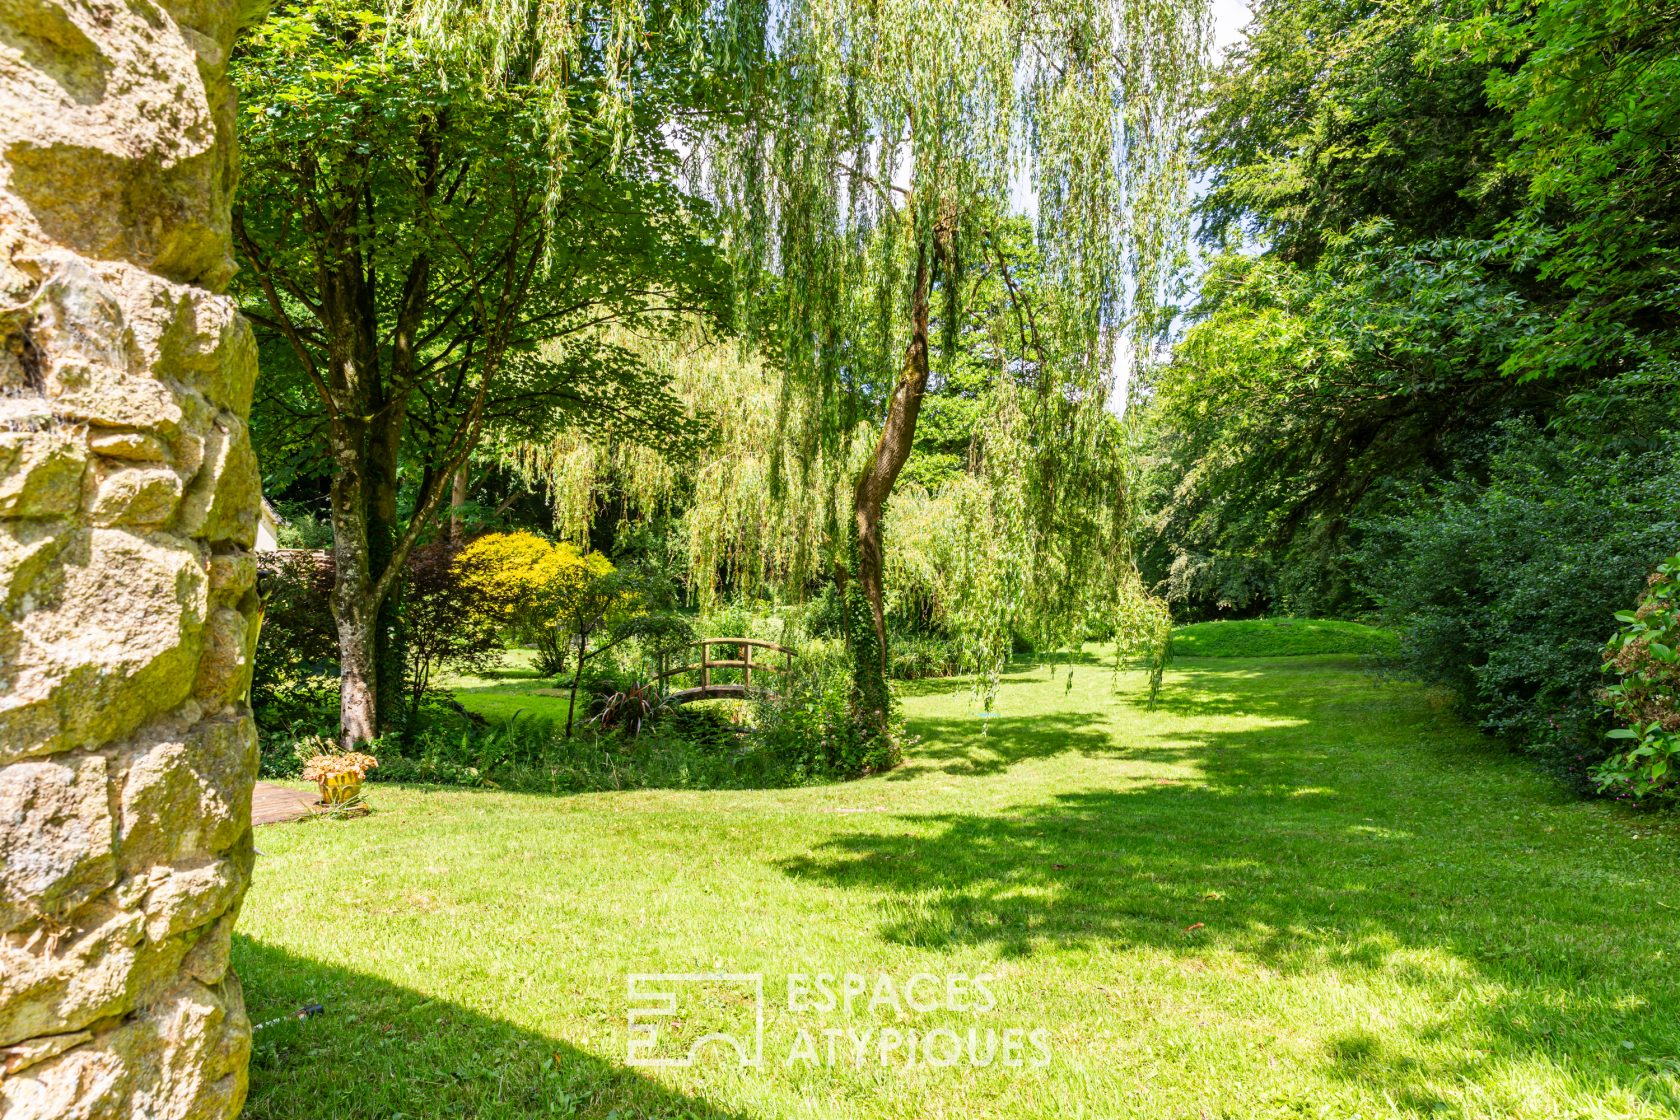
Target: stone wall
128 505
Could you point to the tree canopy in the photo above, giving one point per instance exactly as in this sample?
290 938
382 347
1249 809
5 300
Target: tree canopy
421 273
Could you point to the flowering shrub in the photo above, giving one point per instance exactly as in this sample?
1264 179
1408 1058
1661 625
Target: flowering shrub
1645 700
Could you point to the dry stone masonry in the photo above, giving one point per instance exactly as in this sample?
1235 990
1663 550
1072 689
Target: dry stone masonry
128 609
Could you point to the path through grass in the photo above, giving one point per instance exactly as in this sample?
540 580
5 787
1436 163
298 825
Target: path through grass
1295 889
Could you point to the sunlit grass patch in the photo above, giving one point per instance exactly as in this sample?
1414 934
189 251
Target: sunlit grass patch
1281 637
1293 889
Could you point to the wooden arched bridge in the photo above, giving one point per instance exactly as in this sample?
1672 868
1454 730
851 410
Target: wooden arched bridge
708 689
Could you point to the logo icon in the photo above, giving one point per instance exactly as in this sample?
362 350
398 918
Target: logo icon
671 1016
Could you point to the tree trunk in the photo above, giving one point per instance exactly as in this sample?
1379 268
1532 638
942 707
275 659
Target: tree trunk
869 500
457 503
577 675
358 692
354 372
354 613
384 436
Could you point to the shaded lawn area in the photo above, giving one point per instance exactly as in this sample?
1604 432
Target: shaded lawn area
1294 889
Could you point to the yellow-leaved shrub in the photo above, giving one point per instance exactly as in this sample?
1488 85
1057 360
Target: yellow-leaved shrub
531 584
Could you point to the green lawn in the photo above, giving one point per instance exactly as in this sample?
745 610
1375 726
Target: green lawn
1295 889
513 689
1281 637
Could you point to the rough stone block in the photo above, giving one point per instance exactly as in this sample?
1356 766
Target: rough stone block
225 663
41 472
222 502
119 643
140 496
135 447
56 837
187 794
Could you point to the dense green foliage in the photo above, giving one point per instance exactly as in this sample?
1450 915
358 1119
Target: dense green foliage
1645 698
1431 365
1504 584
422 278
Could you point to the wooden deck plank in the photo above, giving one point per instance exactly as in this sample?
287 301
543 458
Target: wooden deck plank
272 804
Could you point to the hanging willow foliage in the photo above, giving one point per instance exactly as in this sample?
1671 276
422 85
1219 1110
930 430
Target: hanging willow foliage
886 143
756 515
867 152
979 557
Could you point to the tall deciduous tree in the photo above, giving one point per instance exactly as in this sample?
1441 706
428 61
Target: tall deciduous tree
870 148
872 172
423 267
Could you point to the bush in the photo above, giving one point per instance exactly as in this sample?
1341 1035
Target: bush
825 615
1645 700
533 585
1503 589
808 726
912 657
294 682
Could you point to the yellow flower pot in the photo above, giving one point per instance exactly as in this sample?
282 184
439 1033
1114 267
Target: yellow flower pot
336 789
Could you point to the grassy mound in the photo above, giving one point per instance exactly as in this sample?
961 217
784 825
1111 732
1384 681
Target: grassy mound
1281 637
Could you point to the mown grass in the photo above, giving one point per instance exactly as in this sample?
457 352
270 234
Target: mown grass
1293 889
513 689
1282 637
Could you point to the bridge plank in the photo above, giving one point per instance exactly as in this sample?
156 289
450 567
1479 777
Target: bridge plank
708 692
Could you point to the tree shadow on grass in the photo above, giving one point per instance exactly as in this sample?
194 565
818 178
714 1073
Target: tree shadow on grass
380 1050
980 745
1342 832
1286 686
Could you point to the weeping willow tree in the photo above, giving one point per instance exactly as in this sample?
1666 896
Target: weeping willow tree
868 152
733 533
883 145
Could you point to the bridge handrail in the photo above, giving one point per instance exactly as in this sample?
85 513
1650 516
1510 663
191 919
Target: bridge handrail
745 664
758 643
